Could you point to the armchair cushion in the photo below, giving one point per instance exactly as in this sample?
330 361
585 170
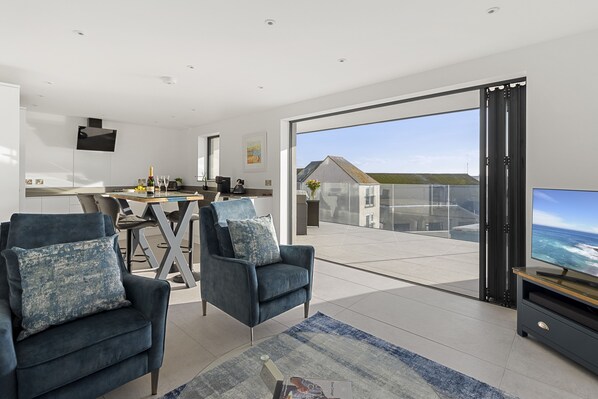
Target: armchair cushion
62 282
222 211
279 279
65 353
254 240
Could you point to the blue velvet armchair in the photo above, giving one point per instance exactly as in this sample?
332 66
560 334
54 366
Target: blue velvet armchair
90 356
248 293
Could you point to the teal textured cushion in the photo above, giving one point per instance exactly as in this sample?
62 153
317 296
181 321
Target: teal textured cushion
255 240
63 282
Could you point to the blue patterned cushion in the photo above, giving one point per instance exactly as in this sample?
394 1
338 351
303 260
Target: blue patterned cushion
255 240
63 282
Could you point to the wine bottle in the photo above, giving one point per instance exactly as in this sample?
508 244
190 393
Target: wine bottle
150 189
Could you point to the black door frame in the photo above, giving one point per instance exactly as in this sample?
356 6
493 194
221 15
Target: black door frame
484 195
502 191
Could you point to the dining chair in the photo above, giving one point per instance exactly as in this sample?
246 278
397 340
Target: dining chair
111 207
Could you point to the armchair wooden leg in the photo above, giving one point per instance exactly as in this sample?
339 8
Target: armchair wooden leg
155 376
204 306
306 309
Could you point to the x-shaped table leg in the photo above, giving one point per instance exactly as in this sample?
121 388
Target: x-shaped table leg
173 240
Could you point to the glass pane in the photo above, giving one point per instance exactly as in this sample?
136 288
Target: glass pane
399 198
213 157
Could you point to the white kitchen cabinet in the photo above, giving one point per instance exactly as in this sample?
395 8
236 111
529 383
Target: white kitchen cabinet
9 150
56 204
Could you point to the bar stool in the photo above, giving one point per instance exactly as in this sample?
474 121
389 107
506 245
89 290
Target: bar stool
88 203
110 207
174 217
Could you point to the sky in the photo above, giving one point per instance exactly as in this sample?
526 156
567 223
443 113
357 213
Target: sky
567 209
446 143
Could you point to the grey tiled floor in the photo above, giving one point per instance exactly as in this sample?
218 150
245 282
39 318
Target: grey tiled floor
473 337
440 262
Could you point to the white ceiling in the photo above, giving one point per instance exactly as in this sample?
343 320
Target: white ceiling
113 71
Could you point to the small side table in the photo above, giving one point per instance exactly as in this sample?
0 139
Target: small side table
313 213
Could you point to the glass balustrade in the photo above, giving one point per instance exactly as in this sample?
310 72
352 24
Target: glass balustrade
447 211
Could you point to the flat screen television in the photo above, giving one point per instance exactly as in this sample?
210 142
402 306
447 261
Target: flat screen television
565 229
96 139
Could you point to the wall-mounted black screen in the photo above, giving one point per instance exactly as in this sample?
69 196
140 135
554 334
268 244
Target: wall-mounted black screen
96 139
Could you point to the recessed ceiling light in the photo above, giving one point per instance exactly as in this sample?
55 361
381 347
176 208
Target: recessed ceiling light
78 32
190 66
48 82
169 80
270 22
260 87
41 95
192 109
342 60
172 116
493 10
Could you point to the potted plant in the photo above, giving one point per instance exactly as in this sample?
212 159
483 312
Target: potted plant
313 205
313 186
179 182
204 178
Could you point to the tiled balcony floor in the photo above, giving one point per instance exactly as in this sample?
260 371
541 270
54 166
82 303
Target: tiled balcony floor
443 263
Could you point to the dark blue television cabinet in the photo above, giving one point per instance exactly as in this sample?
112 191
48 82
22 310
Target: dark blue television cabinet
559 313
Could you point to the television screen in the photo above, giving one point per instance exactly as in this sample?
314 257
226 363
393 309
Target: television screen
96 139
565 229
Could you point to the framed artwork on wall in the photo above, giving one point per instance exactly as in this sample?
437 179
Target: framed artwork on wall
254 152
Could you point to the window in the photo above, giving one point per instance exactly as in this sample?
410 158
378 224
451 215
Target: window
213 157
369 220
369 197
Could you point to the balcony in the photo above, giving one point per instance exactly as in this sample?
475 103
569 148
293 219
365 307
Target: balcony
421 233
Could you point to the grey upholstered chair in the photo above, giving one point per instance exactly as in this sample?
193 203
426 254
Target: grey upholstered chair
110 206
88 203
249 293
86 357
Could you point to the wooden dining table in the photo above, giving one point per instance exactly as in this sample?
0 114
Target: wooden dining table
173 237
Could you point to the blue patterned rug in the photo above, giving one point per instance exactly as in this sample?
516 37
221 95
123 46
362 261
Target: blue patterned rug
324 348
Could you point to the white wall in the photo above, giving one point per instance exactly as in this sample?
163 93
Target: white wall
50 141
9 150
561 121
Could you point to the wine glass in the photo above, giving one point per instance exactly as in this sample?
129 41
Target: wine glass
165 180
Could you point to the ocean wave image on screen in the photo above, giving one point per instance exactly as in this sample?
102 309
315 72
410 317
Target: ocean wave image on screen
575 250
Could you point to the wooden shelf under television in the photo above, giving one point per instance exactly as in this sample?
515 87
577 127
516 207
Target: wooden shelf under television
580 291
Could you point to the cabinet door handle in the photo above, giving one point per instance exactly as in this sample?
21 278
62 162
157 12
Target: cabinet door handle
543 326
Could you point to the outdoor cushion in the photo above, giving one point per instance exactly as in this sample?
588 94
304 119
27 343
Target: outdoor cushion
279 279
65 353
63 282
255 240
